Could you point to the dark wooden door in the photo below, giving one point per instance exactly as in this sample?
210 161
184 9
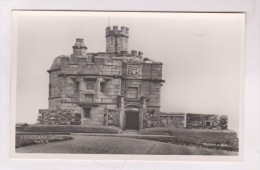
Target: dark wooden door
132 120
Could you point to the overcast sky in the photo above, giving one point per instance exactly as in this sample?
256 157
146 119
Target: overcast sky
201 55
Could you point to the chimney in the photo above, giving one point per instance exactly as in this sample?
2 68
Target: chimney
79 48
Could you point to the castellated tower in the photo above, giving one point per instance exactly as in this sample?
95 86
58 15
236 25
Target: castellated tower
116 39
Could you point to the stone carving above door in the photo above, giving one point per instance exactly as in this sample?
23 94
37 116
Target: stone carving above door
134 71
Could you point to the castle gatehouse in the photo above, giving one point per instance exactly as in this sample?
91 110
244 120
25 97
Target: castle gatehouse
113 88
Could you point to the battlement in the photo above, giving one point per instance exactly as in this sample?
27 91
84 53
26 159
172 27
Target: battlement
117 31
132 53
137 53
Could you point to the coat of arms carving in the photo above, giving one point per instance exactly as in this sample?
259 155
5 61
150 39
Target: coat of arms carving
134 71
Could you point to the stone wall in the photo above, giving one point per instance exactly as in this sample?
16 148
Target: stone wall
96 116
150 90
112 87
116 44
112 117
131 83
153 98
102 64
206 121
54 103
122 44
110 44
55 84
59 117
151 117
172 120
54 89
152 71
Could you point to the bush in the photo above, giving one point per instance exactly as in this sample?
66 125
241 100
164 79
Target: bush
72 129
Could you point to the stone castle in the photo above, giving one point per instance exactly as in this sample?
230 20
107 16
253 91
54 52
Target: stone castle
113 88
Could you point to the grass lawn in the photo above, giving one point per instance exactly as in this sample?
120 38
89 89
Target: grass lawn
196 136
118 145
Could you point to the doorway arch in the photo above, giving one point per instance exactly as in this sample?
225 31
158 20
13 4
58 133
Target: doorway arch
132 117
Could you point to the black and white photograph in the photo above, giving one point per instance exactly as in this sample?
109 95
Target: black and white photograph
128 83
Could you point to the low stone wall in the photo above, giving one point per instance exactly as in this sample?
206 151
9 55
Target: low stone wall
206 121
59 117
193 121
172 120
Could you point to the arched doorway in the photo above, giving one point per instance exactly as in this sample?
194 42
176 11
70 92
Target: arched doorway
132 120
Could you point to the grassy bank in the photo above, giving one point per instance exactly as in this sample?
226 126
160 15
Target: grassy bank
72 129
199 137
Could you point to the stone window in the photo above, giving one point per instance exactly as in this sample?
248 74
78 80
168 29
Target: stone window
87 112
89 98
90 85
132 92
102 84
76 86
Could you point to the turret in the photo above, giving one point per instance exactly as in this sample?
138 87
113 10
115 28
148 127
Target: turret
116 39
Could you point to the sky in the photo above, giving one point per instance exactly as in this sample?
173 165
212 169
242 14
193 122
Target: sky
202 55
